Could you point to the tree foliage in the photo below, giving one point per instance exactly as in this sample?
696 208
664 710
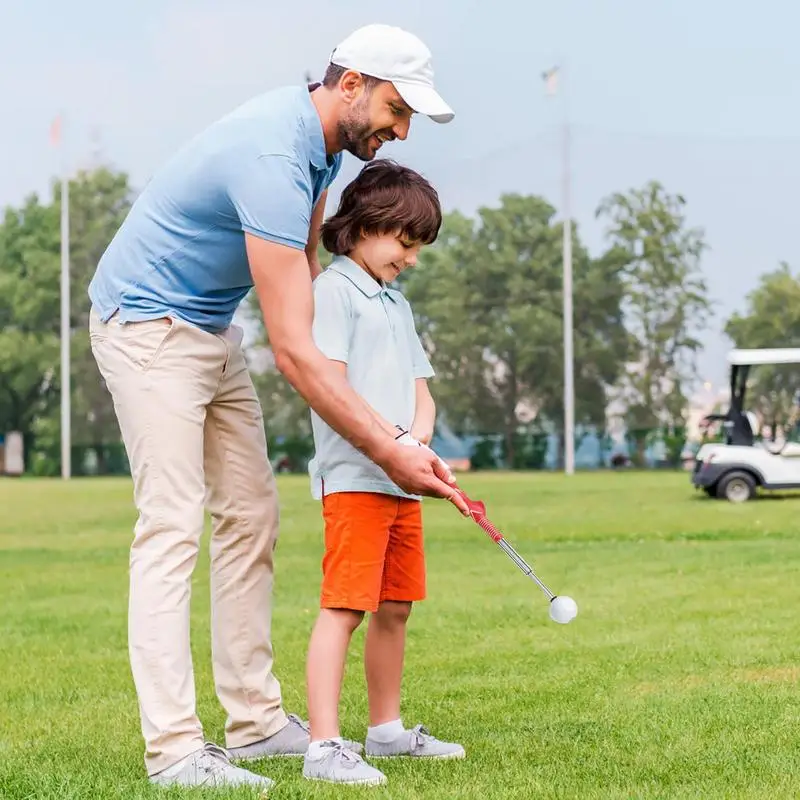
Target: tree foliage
488 299
30 316
771 319
666 301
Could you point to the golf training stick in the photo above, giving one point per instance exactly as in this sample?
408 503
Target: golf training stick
477 510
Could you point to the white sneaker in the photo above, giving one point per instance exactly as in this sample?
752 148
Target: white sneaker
415 743
337 764
209 767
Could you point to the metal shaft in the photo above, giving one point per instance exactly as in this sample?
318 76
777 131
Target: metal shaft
497 537
525 567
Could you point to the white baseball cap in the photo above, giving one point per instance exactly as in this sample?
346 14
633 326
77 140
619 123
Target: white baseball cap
392 54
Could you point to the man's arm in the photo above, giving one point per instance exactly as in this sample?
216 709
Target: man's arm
424 413
385 425
317 218
283 285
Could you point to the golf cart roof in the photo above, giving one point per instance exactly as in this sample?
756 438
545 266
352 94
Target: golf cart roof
769 355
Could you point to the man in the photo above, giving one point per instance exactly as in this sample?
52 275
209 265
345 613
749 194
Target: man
239 206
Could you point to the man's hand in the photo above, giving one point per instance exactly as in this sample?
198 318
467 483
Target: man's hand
441 470
418 470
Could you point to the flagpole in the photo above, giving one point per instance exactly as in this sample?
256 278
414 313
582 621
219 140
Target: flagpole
551 78
66 415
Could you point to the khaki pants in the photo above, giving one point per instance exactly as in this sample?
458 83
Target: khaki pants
194 434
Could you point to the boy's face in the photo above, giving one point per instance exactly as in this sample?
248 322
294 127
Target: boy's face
385 256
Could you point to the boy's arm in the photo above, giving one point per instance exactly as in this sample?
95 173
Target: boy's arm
424 406
312 254
424 413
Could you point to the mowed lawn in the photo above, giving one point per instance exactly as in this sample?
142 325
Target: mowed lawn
678 679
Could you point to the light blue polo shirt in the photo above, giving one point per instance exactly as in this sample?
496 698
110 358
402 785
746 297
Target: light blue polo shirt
371 328
181 249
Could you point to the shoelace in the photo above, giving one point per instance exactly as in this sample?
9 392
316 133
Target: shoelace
349 758
218 759
217 751
421 736
305 726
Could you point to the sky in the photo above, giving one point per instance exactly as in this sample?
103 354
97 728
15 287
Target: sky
702 96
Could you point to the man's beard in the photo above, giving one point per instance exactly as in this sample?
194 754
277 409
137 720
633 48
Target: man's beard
355 131
354 135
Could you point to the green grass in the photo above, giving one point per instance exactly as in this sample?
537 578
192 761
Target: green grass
678 679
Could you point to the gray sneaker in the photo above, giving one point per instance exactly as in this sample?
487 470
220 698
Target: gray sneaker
291 740
210 767
338 764
417 743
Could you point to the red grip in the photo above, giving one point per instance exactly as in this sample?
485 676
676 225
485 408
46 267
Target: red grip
478 511
490 529
474 506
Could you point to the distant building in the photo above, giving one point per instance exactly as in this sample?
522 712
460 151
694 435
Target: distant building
453 451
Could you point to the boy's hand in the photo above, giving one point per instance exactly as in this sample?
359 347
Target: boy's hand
422 435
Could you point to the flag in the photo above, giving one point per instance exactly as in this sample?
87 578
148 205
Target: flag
550 80
55 131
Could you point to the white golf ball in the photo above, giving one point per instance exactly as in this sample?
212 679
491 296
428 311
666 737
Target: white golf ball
563 609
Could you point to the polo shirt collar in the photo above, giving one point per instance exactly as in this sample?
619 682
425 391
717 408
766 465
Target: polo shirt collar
359 278
313 126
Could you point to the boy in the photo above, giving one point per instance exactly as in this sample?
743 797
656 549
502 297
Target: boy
374 559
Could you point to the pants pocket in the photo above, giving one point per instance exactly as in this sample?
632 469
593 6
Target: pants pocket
142 343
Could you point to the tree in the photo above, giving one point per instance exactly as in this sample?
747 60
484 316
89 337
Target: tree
29 346
488 300
30 311
99 202
666 302
771 319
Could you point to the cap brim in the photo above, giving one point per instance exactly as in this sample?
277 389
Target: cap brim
425 100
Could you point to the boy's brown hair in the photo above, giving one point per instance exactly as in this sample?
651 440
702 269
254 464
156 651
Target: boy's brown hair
385 197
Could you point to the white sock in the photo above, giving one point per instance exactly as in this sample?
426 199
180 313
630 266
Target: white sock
386 731
317 749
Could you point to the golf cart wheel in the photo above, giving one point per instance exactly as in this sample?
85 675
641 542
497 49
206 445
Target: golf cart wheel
737 487
775 448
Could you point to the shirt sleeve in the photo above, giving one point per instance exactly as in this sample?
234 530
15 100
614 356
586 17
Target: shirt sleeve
421 365
273 198
333 319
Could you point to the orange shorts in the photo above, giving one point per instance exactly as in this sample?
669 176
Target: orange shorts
373 550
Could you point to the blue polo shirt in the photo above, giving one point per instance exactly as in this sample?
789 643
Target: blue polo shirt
181 250
371 329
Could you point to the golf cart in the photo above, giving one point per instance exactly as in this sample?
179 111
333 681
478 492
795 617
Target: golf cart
734 469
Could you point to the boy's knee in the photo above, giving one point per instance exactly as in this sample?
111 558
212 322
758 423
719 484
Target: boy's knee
344 617
392 612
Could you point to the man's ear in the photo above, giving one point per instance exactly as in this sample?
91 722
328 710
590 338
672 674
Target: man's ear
351 85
